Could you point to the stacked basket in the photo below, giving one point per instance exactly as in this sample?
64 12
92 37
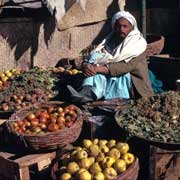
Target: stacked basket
155 44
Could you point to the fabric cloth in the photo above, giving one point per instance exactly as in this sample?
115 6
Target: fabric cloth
138 69
132 46
108 87
125 15
156 84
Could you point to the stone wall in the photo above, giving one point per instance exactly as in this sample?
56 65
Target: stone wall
27 42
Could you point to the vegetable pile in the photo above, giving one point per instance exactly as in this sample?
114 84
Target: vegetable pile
155 118
43 120
61 71
26 89
6 75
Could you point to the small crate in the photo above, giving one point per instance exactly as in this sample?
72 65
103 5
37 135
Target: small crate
164 164
17 167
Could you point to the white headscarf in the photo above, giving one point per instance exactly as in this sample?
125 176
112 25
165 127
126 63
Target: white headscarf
125 15
132 46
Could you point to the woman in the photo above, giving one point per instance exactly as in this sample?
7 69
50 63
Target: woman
117 68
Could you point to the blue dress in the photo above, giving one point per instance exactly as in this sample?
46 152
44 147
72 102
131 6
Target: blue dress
108 87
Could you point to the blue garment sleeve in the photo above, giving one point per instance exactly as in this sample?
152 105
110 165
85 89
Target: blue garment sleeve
94 55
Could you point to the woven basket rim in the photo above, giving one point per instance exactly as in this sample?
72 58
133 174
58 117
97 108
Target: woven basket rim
132 166
160 37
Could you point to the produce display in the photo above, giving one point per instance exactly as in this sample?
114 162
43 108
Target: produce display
4 76
155 118
26 89
43 120
96 160
61 70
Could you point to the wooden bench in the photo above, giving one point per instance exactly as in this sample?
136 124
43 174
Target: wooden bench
17 167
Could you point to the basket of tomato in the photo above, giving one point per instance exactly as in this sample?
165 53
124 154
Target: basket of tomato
46 126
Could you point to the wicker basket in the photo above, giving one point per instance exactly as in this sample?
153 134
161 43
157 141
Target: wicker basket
130 174
155 44
49 140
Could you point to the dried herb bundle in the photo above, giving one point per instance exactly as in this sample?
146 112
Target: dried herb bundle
155 118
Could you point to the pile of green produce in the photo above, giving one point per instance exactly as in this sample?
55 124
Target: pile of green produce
28 88
155 118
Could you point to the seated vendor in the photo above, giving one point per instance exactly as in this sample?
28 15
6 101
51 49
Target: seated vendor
117 68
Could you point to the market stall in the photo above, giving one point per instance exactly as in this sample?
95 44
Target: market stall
43 135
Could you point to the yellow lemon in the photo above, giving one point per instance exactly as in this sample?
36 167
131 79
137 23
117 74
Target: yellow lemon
120 165
66 176
122 147
128 158
72 167
74 71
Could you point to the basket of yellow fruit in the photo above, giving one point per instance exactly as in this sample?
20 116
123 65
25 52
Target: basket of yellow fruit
97 160
46 126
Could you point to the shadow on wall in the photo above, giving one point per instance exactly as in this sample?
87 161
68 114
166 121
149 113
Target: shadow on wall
113 7
22 34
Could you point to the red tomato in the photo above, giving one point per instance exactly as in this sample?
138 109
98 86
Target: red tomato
59 109
53 127
43 120
44 114
42 126
71 107
27 123
34 122
53 119
73 113
61 125
52 116
31 116
66 110
19 123
60 119
61 114
55 114
36 129
23 127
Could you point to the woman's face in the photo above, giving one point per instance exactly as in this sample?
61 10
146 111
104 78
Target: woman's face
124 27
